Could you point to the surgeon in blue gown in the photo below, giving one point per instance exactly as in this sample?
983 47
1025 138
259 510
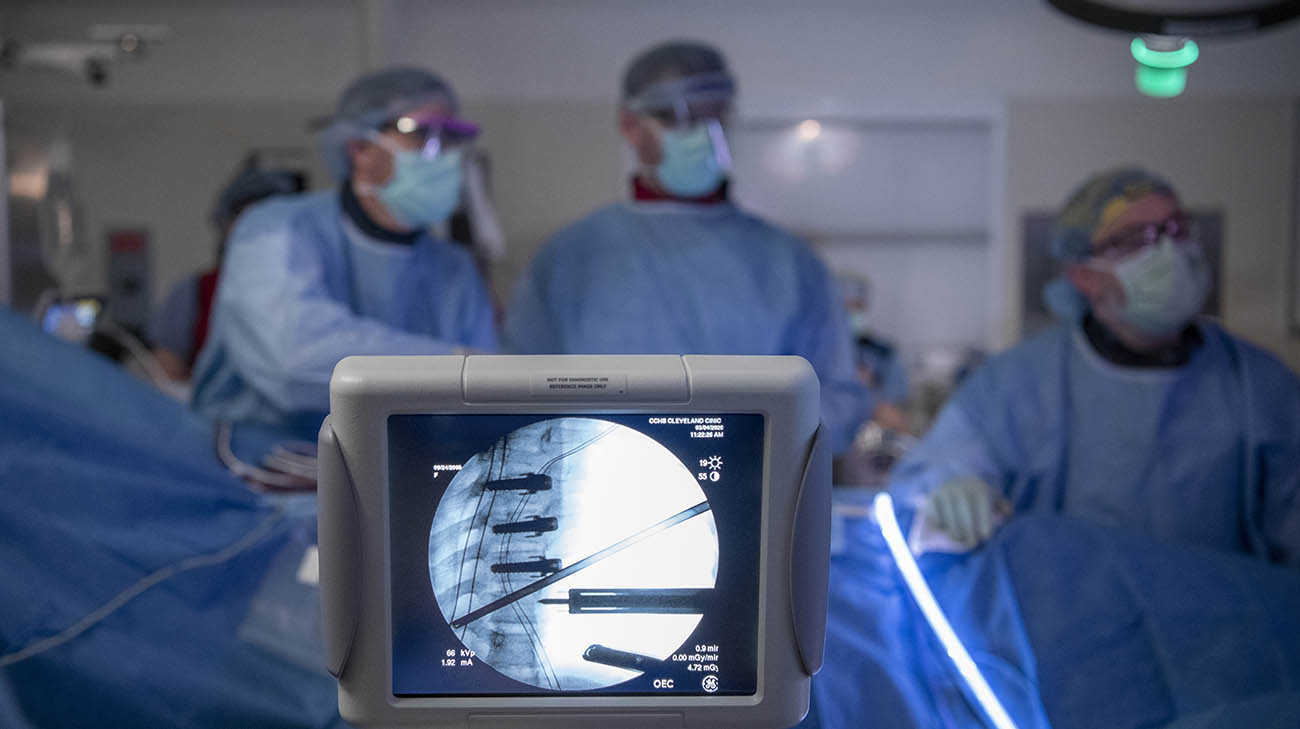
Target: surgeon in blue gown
311 279
680 269
1134 411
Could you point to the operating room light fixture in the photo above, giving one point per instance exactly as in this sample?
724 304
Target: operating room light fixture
1164 48
809 129
1199 18
883 506
1162 63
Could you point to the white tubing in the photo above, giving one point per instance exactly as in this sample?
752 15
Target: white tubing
912 577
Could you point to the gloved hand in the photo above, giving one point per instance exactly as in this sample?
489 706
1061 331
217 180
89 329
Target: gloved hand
963 508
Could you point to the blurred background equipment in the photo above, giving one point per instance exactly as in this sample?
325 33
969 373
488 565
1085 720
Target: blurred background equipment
291 161
128 278
90 60
47 258
71 319
64 247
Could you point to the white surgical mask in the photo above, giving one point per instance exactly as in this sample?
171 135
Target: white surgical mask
1165 285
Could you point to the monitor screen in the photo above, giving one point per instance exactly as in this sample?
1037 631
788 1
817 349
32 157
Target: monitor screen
72 319
575 554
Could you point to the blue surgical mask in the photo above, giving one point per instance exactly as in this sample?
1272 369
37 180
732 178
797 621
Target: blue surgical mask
422 191
695 159
1165 286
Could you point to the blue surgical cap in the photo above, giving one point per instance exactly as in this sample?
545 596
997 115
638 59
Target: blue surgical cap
668 61
1100 199
374 100
250 185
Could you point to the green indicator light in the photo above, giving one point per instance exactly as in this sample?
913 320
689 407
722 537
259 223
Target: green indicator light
1162 73
1177 58
1162 83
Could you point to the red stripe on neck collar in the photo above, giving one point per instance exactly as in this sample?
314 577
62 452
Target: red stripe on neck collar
642 191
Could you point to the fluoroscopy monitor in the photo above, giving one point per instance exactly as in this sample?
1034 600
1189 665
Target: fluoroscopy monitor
570 541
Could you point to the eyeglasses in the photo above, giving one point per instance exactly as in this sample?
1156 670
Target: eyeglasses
1133 238
429 137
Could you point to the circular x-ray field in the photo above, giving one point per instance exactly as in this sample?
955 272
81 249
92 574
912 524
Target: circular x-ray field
573 553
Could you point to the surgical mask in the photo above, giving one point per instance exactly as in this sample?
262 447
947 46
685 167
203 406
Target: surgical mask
423 190
1165 285
857 322
695 159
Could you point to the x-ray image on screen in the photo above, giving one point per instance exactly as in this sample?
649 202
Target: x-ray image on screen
573 553
614 554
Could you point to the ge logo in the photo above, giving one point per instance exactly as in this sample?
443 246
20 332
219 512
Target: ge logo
710 684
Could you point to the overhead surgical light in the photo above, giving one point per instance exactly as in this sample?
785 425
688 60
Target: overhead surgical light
1162 63
809 129
1164 48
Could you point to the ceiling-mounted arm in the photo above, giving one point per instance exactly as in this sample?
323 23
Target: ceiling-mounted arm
1164 49
90 60
1181 17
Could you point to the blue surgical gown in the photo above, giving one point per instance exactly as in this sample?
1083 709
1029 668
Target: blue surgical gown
677 278
1207 453
302 287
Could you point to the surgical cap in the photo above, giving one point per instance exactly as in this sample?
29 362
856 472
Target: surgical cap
374 100
1098 201
668 61
250 185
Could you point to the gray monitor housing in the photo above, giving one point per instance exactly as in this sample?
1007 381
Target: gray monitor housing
355 539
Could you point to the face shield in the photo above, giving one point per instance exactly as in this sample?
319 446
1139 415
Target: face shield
681 102
428 135
689 116
385 101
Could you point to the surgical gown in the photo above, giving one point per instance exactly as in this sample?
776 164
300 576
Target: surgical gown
675 278
302 288
1207 453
